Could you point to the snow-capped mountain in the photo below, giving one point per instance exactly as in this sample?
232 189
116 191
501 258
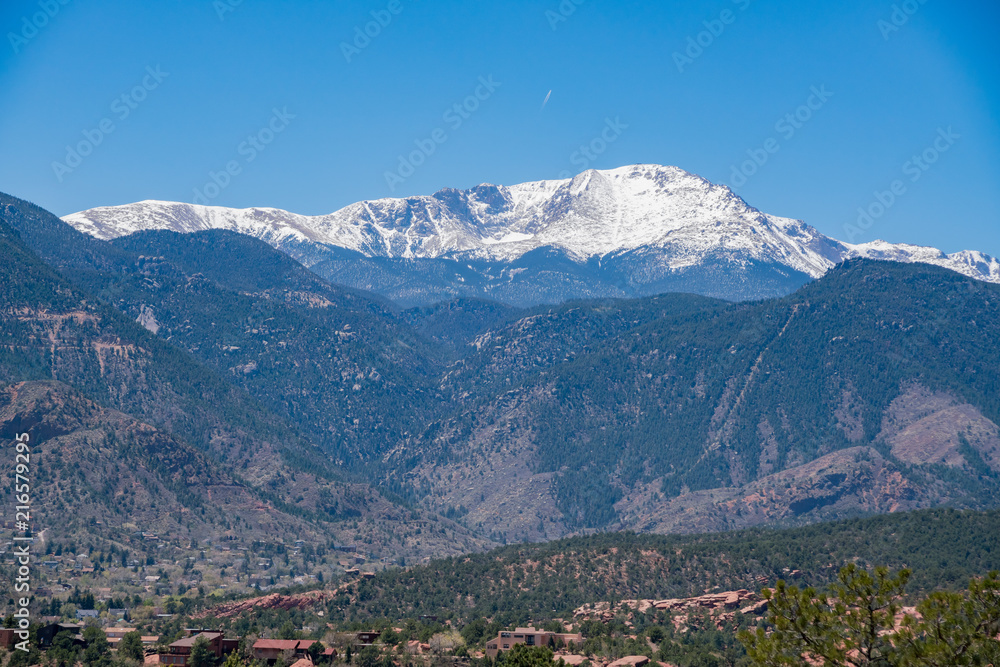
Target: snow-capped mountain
635 230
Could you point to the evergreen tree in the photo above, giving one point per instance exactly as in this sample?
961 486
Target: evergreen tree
201 654
857 624
131 646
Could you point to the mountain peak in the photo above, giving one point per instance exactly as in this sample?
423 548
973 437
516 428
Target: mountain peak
674 220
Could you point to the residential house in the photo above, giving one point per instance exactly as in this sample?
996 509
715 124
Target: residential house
179 652
269 650
117 633
367 638
8 638
48 632
531 637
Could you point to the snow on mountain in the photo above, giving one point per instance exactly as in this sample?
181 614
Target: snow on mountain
685 221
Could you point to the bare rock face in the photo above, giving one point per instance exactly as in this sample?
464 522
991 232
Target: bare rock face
716 604
922 426
147 318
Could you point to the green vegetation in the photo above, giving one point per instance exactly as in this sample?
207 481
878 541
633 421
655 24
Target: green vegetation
130 647
526 656
292 400
201 654
518 584
858 624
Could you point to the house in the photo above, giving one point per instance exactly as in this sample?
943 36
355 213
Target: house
179 652
48 632
87 613
115 635
531 637
367 638
8 638
269 650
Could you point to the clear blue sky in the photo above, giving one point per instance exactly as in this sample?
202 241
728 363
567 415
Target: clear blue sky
892 93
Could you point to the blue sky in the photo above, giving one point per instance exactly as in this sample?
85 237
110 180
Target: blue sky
165 96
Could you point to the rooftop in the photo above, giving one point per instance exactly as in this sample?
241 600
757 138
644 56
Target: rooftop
189 641
283 644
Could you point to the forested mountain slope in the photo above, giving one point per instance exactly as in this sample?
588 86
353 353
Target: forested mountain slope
520 583
870 390
53 330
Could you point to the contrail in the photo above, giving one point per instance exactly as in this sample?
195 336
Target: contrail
546 99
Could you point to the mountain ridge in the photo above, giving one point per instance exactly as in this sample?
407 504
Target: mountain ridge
868 390
640 230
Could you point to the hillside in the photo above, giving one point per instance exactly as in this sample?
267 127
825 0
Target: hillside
868 391
518 584
116 382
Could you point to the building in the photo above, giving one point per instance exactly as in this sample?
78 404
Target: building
269 650
179 652
530 637
367 638
48 632
117 633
